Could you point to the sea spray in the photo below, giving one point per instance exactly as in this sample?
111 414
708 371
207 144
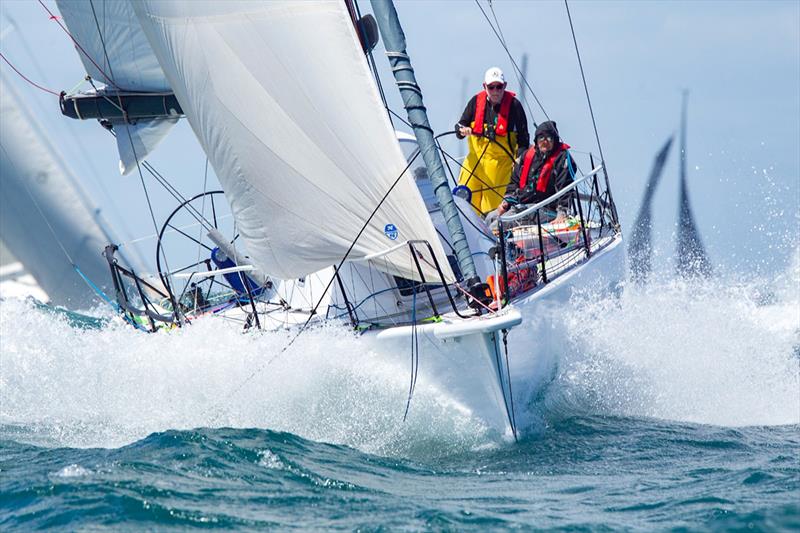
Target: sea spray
706 351
719 352
83 388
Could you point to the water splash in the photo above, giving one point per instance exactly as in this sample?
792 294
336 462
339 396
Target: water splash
112 386
713 352
721 352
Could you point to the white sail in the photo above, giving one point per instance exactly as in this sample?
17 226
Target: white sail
280 96
43 209
116 54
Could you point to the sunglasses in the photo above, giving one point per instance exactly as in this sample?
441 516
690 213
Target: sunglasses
496 87
544 138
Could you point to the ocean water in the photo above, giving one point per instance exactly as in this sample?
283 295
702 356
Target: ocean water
675 407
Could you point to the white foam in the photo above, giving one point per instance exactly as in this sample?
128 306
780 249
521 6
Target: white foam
70 471
114 386
713 352
709 353
269 460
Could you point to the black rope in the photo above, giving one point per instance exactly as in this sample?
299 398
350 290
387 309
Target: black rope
585 87
510 391
338 267
414 355
511 58
517 74
133 147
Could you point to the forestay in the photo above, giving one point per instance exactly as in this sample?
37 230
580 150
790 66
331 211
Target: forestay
109 33
280 95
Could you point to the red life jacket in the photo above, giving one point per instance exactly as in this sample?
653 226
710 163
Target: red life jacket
547 168
480 110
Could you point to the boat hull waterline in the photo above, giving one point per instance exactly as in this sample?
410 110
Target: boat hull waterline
466 360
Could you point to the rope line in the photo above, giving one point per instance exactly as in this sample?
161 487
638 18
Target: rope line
56 238
511 58
313 311
585 87
77 44
24 77
517 74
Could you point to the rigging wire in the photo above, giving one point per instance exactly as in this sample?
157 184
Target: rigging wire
313 311
518 74
585 87
77 44
374 70
127 129
614 214
513 62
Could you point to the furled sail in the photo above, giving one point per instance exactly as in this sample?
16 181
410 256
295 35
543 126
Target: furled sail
42 209
117 55
281 98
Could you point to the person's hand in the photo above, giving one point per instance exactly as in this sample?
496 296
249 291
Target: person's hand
561 216
466 131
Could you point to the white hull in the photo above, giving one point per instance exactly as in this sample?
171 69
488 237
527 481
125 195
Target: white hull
469 365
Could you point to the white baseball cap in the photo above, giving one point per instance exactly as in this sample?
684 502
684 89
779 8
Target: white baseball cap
494 74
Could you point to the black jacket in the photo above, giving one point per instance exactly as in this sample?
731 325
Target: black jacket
517 121
560 177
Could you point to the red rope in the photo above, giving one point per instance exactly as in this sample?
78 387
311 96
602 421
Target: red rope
21 75
77 44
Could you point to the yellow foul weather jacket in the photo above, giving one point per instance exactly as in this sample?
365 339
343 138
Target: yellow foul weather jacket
494 145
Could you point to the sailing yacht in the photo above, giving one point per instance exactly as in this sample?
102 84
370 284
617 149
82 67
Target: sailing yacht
48 223
326 213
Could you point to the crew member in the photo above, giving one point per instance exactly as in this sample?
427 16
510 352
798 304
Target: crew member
544 169
497 131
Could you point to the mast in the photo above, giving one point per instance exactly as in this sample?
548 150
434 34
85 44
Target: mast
524 74
394 40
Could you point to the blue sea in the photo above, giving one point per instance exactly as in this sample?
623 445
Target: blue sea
676 407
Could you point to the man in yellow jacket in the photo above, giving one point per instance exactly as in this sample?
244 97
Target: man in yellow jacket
496 128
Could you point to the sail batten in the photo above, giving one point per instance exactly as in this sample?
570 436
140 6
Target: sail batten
281 98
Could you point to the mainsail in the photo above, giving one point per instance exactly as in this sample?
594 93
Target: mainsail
280 96
116 54
42 209
640 248
691 255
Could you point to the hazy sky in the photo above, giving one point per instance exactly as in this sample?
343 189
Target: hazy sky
740 61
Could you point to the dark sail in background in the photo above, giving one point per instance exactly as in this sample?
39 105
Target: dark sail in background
640 247
691 258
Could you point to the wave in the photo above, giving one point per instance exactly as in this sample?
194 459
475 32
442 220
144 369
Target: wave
713 352
108 387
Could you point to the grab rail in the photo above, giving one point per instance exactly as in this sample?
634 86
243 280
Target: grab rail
551 199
